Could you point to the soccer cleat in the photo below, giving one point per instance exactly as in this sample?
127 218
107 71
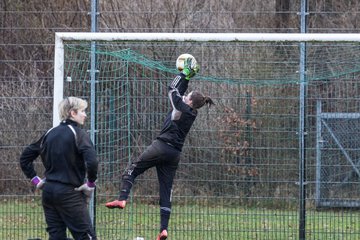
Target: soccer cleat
163 235
116 204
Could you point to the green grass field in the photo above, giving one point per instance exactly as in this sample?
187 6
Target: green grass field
25 221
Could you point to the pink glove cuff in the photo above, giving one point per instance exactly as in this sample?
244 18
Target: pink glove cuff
91 184
35 180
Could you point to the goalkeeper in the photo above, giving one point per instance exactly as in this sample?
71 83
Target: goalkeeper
68 155
164 151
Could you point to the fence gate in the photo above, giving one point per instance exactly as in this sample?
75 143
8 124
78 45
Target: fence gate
338 159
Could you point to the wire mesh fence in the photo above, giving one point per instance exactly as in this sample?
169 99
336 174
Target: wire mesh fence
239 171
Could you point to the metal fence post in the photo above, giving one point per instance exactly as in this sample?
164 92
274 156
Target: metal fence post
302 126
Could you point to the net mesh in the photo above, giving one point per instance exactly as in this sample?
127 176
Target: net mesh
239 166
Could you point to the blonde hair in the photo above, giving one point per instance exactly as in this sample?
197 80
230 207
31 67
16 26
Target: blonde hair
70 103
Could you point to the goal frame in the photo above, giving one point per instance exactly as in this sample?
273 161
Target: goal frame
301 38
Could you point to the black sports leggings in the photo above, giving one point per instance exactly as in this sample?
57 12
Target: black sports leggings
166 160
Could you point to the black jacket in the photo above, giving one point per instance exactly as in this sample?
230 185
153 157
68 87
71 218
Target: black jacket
66 155
179 120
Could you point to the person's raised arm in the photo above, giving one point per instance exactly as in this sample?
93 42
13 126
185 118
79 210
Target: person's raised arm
181 81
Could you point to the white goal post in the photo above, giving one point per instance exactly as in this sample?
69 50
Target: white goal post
60 37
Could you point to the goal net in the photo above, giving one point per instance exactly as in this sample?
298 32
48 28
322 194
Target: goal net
242 152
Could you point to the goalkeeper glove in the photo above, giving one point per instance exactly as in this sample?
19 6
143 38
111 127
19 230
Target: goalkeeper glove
38 182
88 189
190 68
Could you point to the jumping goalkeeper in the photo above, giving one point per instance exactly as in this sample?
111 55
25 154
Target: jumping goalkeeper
164 151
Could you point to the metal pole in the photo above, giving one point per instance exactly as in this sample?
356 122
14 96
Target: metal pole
302 126
93 71
319 144
248 159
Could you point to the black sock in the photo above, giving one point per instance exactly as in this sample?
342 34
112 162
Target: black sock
164 216
125 190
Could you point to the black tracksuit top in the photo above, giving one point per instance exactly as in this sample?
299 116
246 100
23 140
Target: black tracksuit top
179 120
66 156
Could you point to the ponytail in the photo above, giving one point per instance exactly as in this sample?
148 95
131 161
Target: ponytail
209 101
199 100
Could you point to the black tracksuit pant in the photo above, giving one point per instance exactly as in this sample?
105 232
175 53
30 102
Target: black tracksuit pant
66 208
166 160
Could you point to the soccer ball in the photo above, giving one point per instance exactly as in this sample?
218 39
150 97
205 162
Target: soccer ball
180 61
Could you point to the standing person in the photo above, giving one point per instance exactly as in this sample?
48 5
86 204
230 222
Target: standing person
164 152
68 155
